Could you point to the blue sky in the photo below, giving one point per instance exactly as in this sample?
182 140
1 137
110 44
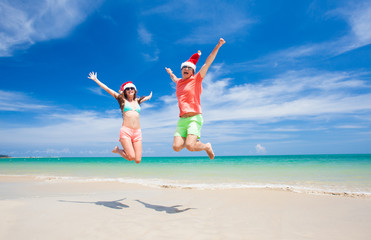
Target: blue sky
294 77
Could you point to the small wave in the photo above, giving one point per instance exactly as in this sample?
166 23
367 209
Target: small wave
184 184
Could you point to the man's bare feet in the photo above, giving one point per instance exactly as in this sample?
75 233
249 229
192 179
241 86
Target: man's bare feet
210 151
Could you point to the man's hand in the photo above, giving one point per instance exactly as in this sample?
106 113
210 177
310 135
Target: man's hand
221 42
168 70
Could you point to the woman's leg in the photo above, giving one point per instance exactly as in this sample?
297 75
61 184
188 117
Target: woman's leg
128 151
138 151
178 143
193 145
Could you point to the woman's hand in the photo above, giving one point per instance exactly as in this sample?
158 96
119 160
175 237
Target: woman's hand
150 96
93 76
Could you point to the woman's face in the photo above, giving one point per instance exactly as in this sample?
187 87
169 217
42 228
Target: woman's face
130 91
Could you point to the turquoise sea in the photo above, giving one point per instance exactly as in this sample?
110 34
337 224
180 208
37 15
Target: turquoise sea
331 174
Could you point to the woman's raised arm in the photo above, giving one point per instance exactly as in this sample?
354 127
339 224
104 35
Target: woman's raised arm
143 99
93 76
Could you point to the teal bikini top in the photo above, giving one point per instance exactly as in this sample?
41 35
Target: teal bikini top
128 107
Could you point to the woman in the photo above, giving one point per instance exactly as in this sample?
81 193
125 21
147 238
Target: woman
130 132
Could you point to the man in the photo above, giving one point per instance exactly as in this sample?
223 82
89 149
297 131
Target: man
188 92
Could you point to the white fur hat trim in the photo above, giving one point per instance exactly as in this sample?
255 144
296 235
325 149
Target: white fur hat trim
129 85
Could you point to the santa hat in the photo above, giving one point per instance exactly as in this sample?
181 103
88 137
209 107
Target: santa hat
127 85
192 61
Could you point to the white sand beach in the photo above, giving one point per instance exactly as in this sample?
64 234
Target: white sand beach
39 209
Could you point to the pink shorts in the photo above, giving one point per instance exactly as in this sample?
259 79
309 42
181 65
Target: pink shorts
134 135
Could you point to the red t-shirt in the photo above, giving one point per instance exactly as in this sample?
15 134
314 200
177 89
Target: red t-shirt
188 92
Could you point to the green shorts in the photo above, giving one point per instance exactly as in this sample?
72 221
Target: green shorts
189 125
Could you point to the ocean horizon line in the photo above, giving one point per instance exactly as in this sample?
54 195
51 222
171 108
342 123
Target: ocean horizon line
200 156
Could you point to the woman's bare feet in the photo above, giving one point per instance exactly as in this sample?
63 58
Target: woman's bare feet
210 151
116 150
121 152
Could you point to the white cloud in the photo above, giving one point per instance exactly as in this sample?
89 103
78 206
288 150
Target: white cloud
19 102
358 18
52 151
151 57
226 24
204 26
144 36
98 91
260 149
66 129
151 52
290 95
232 113
22 24
351 126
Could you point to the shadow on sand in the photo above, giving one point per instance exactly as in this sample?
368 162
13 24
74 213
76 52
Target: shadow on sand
110 204
169 210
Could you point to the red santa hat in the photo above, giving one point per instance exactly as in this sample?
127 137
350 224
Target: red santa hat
192 61
127 85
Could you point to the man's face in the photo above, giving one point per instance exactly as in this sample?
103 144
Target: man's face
187 72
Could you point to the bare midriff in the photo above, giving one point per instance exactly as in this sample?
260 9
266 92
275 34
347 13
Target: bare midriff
131 120
190 114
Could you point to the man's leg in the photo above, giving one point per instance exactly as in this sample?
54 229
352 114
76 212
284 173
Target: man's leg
193 145
178 143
